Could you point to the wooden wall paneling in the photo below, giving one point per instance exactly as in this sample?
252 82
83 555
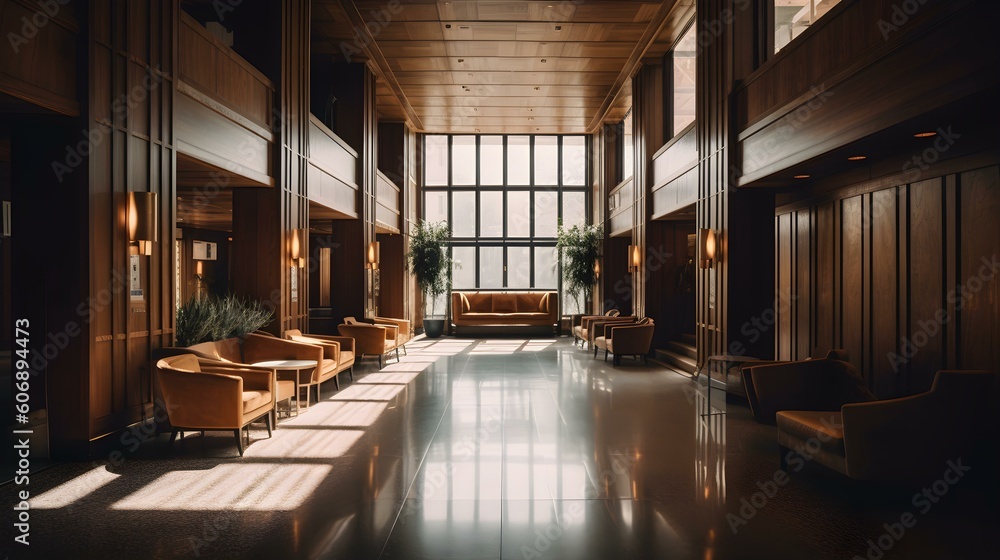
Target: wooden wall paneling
804 267
40 69
926 274
857 104
979 252
852 269
391 276
951 262
783 261
823 294
885 306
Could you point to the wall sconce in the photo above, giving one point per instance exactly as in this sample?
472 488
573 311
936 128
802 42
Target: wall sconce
297 242
143 221
707 247
373 255
634 258
597 268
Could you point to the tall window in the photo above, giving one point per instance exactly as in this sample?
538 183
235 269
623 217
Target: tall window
628 149
683 77
792 17
504 197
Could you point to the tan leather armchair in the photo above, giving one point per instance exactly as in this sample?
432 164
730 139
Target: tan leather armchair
371 340
814 385
633 339
580 330
338 354
909 438
403 331
595 324
215 397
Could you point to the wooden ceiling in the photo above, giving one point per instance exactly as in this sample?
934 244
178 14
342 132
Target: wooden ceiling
517 67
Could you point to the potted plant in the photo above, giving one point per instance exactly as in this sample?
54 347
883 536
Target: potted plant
214 318
428 260
580 247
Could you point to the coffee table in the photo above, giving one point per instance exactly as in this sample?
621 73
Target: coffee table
296 366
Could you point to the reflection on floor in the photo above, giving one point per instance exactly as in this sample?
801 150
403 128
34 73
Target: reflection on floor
494 449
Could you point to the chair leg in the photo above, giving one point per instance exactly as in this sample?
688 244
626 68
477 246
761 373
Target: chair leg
605 355
595 351
380 356
318 397
404 351
397 353
173 435
645 359
239 440
267 422
336 381
350 370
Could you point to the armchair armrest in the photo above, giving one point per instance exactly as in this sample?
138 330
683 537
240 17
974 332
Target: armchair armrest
600 328
202 399
817 385
331 348
258 348
631 339
368 339
403 325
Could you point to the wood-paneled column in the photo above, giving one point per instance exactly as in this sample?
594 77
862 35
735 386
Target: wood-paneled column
741 285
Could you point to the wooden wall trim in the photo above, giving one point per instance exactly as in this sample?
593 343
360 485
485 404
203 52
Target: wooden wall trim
212 102
834 191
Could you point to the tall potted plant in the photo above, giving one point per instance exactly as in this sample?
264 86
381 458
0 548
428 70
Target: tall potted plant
580 248
428 260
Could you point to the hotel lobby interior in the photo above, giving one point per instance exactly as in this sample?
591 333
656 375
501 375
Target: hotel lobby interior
421 279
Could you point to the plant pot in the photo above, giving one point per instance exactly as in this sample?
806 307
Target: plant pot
433 328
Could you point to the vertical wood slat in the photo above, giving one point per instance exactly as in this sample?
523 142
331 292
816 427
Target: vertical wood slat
910 288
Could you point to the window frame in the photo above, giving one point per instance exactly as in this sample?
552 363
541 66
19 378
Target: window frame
505 241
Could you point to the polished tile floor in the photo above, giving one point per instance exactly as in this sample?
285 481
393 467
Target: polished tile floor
500 448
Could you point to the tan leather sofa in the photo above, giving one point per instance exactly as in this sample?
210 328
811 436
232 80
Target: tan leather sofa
201 397
909 438
260 348
629 339
503 309
371 340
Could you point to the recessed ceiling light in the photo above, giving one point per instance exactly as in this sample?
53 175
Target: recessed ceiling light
447 26
530 110
558 28
924 134
465 27
536 88
802 176
461 60
857 158
531 118
475 108
544 61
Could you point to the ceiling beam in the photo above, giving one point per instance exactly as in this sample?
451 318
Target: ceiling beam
649 36
379 62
